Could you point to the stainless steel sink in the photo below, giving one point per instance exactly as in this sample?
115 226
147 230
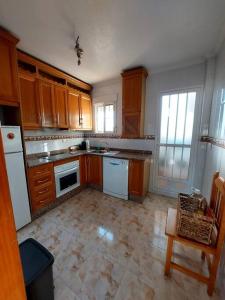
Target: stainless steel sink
45 159
111 153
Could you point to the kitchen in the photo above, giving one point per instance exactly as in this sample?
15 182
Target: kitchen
93 168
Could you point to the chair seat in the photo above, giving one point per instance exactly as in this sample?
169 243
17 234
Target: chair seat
171 231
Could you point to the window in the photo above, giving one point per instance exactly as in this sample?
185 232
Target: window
177 123
221 119
104 118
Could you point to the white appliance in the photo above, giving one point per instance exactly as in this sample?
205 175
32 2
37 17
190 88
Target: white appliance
67 177
115 177
16 174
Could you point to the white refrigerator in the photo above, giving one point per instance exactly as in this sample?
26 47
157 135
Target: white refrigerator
13 151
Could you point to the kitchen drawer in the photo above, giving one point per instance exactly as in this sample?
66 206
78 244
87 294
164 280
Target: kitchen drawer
42 201
41 186
39 171
41 190
42 180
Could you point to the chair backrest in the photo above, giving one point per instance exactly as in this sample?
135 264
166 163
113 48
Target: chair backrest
217 204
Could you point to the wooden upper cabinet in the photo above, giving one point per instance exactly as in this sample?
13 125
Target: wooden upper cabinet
94 170
29 101
74 109
47 104
61 106
131 124
8 69
132 90
133 102
85 112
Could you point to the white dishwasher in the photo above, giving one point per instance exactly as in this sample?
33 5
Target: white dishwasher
115 177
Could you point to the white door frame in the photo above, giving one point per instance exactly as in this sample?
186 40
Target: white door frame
195 138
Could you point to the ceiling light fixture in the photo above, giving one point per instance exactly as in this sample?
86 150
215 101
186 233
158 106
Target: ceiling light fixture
78 50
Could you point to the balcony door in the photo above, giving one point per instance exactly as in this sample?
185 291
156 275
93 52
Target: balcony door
176 141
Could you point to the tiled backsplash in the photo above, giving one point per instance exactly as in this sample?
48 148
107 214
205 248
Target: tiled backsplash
135 144
33 147
51 139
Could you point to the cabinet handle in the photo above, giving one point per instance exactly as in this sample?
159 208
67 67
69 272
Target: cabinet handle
43 191
42 181
38 172
42 201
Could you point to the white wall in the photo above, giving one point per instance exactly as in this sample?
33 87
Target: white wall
215 157
188 77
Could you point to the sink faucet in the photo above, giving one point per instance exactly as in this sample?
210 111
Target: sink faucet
107 146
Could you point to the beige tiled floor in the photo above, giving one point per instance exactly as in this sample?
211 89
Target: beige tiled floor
106 248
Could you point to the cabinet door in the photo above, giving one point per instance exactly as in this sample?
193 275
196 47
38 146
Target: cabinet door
74 109
8 72
11 275
136 177
131 125
83 169
86 112
29 100
132 93
48 113
94 170
61 106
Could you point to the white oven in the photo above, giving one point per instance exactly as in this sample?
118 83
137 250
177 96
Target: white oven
67 177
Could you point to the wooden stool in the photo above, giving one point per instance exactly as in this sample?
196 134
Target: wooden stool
211 253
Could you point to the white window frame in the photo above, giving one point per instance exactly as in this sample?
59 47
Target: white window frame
114 116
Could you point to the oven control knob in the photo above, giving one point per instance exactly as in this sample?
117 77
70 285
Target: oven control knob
10 135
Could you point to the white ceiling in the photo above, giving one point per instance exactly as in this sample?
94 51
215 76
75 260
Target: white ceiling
115 34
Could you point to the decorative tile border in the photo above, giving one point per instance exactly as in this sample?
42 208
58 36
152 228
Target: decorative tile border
117 136
52 137
82 135
214 141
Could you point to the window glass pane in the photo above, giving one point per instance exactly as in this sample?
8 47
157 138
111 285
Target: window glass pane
99 119
221 118
172 118
185 163
181 118
189 118
169 162
162 154
109 118
177 162
164 118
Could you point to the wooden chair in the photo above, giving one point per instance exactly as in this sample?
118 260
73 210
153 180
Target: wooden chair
211 253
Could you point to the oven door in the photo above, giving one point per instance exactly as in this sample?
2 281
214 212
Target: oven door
66 181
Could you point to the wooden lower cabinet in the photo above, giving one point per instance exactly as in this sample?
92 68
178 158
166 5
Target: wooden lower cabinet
83 170
138 181
41 186
94 171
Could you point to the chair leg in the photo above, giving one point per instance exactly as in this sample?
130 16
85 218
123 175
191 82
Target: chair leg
168 256
213 273
203 255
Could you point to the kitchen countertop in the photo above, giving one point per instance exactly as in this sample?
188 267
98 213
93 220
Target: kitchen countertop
36 161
